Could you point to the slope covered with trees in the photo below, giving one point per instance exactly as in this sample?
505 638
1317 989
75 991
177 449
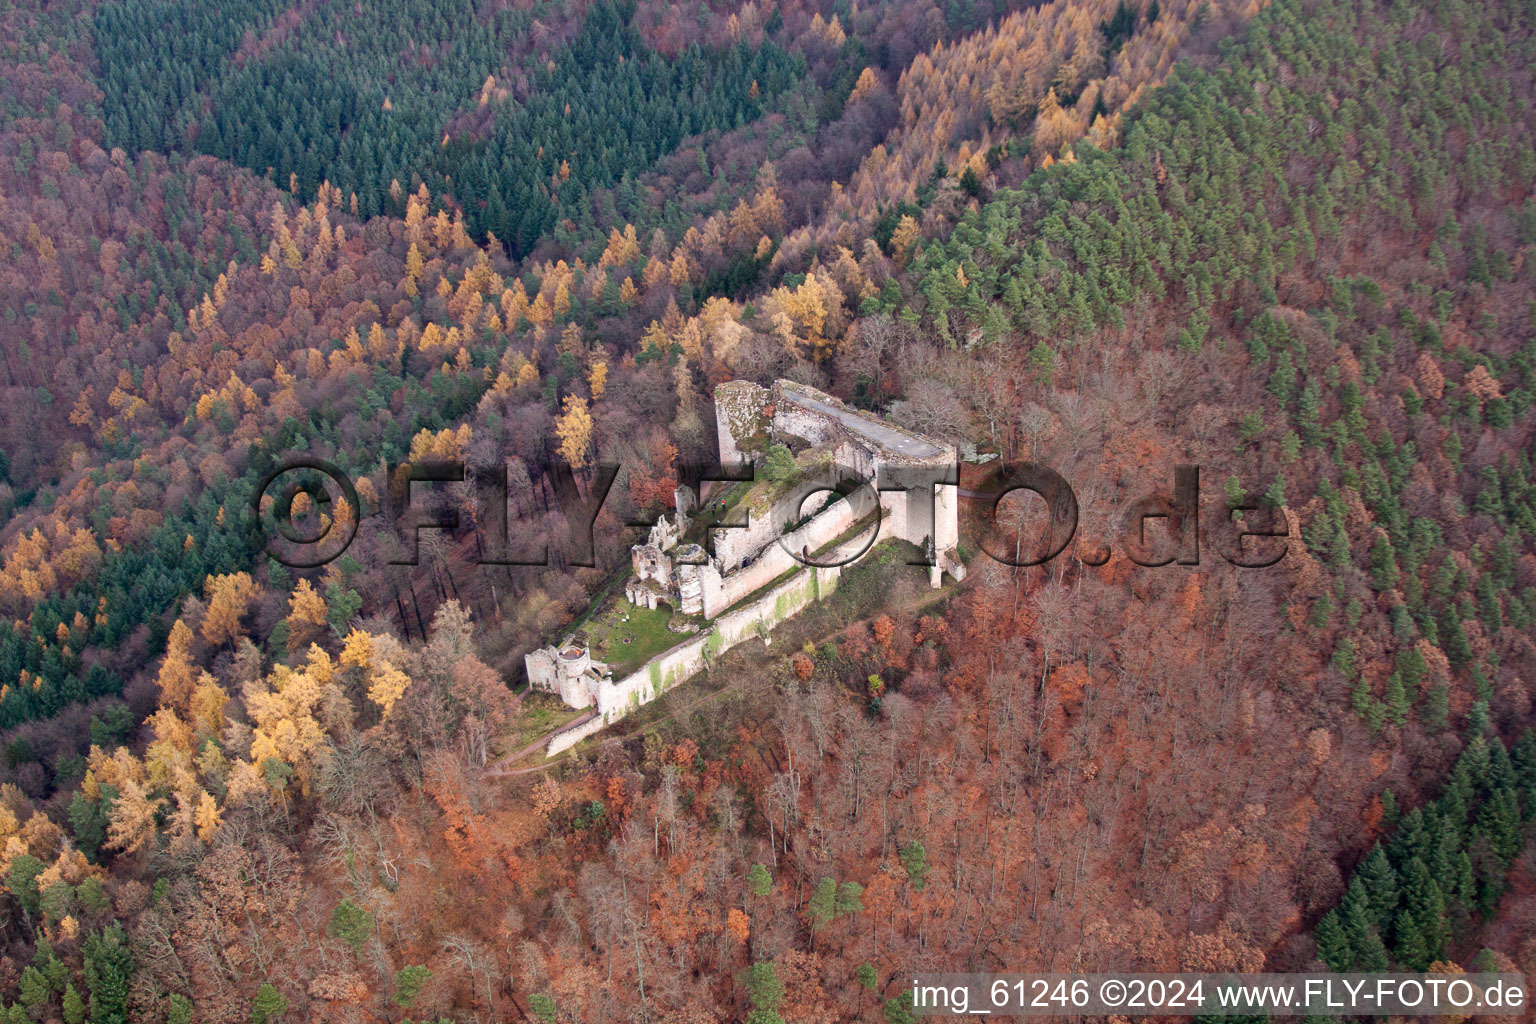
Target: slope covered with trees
1239 213
1414 896
366 104
233 791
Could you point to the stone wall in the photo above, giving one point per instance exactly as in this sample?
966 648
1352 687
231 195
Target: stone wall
797 421
540 665
922 514
947 509
862 446
739 421
777 558
568 738
617 698
734 545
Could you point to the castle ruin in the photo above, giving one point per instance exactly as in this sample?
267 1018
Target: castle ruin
867 480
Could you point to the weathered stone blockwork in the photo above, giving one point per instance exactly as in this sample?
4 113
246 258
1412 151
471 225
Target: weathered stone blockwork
911 480
615 699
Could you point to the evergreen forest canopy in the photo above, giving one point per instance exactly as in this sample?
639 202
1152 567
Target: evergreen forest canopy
367 96
1225 201
1304 258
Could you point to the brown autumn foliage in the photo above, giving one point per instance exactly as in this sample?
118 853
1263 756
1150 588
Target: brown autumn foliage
1105 767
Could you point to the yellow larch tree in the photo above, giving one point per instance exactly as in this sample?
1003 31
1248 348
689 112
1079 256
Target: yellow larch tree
292 259
306 615
572 341
176 678
82 415
343 515
357 650
442 230
207 817
574 428
654 340
539 312
656 271
415 217
205 711
906 234
514 303
445 445
811 313
623 248
1054 126
866 85
386 686
680 273
283 706
481 277
378 342
413 268
131 822
228 597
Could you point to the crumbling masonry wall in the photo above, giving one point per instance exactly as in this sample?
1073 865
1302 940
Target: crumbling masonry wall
617 698
742 425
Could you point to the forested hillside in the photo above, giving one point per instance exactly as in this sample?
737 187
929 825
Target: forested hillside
602 106
1289 244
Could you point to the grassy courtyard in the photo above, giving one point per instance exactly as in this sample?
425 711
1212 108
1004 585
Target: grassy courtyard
626 636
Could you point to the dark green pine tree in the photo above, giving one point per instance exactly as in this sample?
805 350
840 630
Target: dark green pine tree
1465 892
1524 761
1391 813
1454 639
109 967
1397 702
1333 945
1411 666
1378 881
1419 930
1501 770
1383 563
1411 840
765 991
1490 613
1499 820
74 1007
823 904
1370 952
